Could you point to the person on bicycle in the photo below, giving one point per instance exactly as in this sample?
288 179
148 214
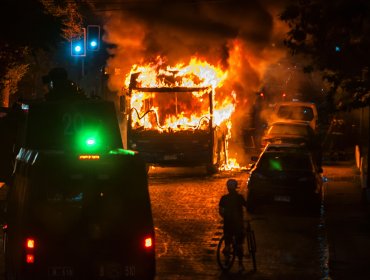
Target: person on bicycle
231 210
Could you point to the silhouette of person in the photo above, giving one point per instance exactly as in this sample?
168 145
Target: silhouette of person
231 210
59 86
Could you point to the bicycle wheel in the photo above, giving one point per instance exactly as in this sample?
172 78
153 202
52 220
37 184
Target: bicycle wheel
252 248
225 258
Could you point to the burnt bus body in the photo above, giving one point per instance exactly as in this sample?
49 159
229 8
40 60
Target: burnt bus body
199 144
77 212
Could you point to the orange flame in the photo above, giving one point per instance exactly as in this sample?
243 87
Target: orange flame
178 109
191 109
196 74
231 164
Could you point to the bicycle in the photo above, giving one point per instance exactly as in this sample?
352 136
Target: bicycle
226 259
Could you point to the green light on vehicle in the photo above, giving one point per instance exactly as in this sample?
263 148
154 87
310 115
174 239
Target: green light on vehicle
90 142
122 152
276 165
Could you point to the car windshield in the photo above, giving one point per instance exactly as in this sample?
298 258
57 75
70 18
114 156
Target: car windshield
289 129
284 162
302 113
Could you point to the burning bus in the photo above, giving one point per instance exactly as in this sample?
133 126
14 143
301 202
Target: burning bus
173 118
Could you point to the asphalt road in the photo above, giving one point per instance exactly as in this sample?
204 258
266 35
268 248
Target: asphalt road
289 245
185 208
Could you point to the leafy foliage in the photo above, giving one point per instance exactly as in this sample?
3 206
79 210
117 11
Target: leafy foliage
35 25
68 13
335 35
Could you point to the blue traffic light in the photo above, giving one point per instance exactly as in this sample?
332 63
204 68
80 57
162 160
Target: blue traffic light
93 37
78 49
78 44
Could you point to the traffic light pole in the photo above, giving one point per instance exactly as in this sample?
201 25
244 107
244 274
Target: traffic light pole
82 67
88 40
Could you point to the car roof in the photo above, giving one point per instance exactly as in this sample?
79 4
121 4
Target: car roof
292 153
285 147
296 103
290 122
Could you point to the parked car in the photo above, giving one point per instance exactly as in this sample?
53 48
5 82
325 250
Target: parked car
287 177
294 132
297 111
288 132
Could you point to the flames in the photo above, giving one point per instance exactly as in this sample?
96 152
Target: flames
180 110
196 74
175 98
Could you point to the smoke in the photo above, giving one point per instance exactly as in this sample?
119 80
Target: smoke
177 30
244 37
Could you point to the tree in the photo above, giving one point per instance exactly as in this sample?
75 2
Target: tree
37 25
335 36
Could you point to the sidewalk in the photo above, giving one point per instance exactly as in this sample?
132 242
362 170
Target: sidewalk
347 219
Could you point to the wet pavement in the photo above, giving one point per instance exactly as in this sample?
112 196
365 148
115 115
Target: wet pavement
187 245
347 219
287 245
188 228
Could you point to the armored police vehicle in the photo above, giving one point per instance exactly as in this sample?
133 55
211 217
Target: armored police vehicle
78 203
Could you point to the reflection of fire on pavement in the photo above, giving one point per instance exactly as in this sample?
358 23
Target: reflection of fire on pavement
154 170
